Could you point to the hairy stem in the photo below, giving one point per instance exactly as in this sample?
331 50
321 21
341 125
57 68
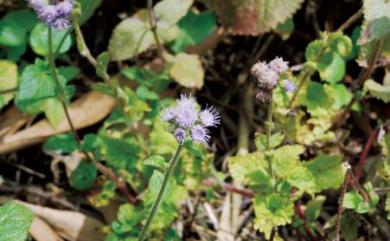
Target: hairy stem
153 26
172 164
269 125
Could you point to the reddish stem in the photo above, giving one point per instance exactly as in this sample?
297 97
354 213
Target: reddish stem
363 157
301 215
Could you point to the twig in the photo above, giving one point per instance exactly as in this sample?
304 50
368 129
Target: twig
351 20
153 26
340 202
363 157
228 188
272 235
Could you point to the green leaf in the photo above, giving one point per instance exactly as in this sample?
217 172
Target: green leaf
286 158
350 225
83 177
342 45
130 37
25 18
313 50
187 70
376 20
354 200
37 92
104 197
285 29
145 94
14 53
249 169
275 140
169 12
120 153
327 170
272 211
313 208
205 23
8 80
69 72
342 96
102 62
156 161
381 92
64 143
15 221
11 34
250 17
88 7
331 67
39 40
316 97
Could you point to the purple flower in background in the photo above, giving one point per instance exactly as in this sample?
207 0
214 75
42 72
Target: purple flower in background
267 77
209 117
289 86
188 121
180 135
278 65
54 15
200 134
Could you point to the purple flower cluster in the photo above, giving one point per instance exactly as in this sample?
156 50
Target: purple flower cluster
188 121
267 77
54 15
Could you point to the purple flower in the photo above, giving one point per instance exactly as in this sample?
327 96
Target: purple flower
168 114
289 86
54 15
209 117
180 135
263 96
266 78
186 113
278 65
200 134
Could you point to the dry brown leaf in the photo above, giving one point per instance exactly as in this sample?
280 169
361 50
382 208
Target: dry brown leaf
41 231
70 225
84 112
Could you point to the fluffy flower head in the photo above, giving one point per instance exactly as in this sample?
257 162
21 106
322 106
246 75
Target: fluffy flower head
209 117
289 86
200 134
54 15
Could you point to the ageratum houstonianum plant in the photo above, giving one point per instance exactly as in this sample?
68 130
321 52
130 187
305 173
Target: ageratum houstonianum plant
54 13
187 123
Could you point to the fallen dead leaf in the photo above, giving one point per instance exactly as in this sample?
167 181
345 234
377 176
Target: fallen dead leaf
70 225
41 231
84 112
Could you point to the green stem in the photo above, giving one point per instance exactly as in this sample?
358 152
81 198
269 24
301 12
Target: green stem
269 125
172 163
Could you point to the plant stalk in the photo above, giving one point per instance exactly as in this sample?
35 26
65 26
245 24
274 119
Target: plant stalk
156 204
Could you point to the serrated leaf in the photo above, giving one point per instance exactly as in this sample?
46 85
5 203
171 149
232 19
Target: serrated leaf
342 45
15 221
25 18
83 177
8 80
327 170
156 161
381 92
169 12
102 62
187 70
249 169
272 211
39 40
342 96
275 140
315 97
286 158
120 153
313 50
377 20
252 17
64 143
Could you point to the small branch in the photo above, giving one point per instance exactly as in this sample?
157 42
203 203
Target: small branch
363 157
272 235
341 208
153 25
301 215
351 20
228 188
